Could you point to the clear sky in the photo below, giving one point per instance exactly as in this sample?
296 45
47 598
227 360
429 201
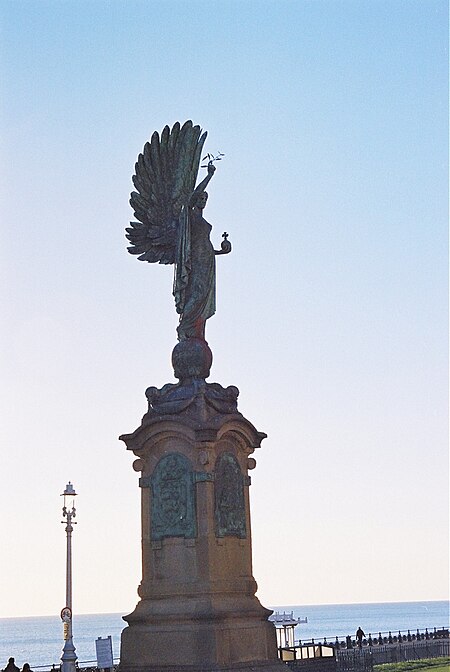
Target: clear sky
331 310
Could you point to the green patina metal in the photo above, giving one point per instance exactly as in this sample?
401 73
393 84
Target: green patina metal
172 489
173 500
170 228
229 498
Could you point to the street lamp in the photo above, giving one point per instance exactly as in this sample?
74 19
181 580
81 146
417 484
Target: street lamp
69 656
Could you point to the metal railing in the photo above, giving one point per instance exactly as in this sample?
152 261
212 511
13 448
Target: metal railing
349 655
409 645
84 665
381 638
354 659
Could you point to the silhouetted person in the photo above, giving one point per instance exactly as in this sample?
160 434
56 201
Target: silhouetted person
359 636
11 666
26 668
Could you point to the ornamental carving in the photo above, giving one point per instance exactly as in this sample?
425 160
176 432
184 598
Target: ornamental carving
229 498
173 499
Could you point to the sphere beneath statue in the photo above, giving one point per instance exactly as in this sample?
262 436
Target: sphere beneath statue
191 358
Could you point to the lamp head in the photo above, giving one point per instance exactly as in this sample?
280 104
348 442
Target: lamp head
69 495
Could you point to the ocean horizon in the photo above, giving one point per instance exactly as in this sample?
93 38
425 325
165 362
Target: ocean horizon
38 640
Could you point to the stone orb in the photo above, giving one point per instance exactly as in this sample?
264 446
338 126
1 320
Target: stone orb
191 358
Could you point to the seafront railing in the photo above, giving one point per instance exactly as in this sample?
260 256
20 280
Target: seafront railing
345 654
84 665
392 653
381 638
385 647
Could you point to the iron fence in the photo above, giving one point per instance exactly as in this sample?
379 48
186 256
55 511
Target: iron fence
339 642
344 654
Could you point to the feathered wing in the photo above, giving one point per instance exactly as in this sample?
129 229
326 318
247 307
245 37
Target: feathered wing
165 177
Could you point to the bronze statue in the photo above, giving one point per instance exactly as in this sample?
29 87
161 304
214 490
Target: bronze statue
171 228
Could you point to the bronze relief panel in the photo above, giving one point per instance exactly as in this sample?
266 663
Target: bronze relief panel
173 498
229 501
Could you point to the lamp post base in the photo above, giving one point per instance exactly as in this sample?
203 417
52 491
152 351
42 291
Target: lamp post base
69 657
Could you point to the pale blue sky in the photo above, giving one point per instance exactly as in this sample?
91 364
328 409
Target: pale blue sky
332 308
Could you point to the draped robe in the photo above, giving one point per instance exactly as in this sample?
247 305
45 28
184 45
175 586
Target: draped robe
195 274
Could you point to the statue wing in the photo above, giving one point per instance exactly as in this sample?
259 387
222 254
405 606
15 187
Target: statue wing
165 177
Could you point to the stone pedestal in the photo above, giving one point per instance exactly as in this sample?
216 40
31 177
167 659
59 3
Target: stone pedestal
198 609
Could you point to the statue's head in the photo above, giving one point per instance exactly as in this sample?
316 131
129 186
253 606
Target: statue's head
201 199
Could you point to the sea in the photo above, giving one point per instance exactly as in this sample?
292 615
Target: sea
38 640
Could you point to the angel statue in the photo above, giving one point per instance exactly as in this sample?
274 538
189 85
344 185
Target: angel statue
171 228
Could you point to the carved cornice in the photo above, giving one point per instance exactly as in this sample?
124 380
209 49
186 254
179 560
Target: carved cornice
199 413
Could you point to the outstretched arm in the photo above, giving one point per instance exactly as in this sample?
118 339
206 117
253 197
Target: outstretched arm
225 245
203 184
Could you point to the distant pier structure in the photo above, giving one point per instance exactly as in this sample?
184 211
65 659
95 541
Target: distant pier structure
285 625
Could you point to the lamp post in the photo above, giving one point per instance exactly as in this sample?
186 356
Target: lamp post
69 656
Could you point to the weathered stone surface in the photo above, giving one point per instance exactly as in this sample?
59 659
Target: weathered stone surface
255 666
198 609
196 397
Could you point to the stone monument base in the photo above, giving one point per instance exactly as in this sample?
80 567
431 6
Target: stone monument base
198 611
235 644
255 666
